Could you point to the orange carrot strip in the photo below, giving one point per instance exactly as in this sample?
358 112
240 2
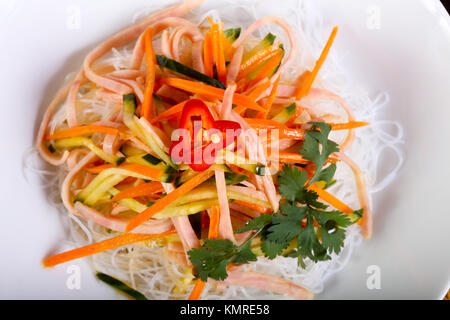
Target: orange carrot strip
222 69
99 169
259 90
268 68
82 130
348 125
258 59
332 200
145 189
211 92
170 113
167 200
270 100
213 234
214 223
255 207
308 83
198 289
102 246
150 59
144 170
283 131
208 54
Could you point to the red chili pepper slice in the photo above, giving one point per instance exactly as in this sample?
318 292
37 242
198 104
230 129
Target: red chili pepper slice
203 145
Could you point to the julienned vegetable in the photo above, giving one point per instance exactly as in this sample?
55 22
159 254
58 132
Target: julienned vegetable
127 140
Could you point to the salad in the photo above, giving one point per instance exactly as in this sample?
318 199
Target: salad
187 156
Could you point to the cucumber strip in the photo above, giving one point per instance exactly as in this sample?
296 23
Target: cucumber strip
189 173
77 142
130 151
131 121
148 162
243 163
263 44
187 71
131 204
185 210
98 180
106 184
232 34
120 286
234 178
286 114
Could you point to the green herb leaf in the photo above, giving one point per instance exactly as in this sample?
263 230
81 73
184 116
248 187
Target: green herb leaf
256 224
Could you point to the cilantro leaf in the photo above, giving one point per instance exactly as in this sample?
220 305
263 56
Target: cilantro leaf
311 148
327 174
333 240
272 249
309 245
244 256
256 224
287 226
292 181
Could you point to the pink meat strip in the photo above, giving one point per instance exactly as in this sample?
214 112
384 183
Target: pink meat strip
137 88
172 93
367 221
109 96
119 223
184 228
268 283
227 104
40 144
235 64
111 143
225 226
196 37
165 44
66 194
159 26
286 27
127 74
72 104
125 36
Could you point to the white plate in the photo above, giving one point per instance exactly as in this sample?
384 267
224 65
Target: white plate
406 54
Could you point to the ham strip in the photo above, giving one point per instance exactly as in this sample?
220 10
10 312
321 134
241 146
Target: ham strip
125 36
227 104
72 104
235 64
225 226
286 27
267 282
119 224
66 194
165 44
363 196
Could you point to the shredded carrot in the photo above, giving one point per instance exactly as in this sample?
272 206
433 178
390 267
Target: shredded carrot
208 54
213 234
99 169
168 199
150 59
144 170
170 113
268 68
214 223
259 90
266 125
270 100
218 49
258 59
82 130
105 245
348 125
312 76
255 207
198 289
211 92
145 189
332 200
